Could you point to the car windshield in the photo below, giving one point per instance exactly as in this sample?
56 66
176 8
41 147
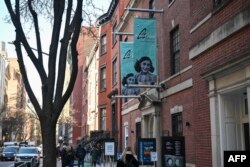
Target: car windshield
10 149
27 151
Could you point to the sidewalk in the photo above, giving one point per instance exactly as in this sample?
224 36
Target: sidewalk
88 164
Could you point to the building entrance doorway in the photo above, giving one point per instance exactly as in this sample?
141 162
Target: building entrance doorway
234 118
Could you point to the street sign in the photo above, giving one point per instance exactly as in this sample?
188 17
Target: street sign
110 148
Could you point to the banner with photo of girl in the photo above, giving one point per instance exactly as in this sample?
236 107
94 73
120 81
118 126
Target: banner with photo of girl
145 51
127 69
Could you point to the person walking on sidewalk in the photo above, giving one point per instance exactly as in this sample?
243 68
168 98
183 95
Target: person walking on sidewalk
71 155
95 154
64 156
80 154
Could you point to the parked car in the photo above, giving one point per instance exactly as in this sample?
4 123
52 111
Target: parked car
9 153
27 155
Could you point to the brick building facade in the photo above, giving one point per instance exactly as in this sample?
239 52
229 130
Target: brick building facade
203 69
220 60
79 98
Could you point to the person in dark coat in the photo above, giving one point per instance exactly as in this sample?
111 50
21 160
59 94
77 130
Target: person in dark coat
128 159
95 155
71 155
64 156
80 154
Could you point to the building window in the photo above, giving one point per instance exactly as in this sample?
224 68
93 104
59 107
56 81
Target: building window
114 36
114 74
126 137
151 6
103 44
177 129
138 129
103 78
103 119
114 119
175 50
246 106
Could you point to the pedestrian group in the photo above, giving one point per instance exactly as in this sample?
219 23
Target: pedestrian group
69 155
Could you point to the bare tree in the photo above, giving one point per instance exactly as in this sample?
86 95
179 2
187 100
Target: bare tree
14 125
52 81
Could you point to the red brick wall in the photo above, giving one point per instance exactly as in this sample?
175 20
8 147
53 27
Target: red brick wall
89 41
104 61
130 118
184 99
79 102
227 50
219 16
195 100
175 15
77 93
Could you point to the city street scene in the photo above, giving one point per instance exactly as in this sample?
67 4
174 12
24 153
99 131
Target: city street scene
124 83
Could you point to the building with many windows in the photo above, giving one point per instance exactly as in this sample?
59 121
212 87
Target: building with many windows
13 117
79 100
202 89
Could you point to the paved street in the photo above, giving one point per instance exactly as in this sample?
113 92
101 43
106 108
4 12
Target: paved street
88 163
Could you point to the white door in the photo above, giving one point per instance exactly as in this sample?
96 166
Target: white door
230 124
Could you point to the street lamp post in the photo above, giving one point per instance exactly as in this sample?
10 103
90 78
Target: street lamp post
60 140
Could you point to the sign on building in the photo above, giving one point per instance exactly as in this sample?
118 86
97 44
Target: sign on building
109 148
145 147
173 151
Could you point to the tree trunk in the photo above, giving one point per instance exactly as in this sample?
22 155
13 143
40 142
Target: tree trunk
48 128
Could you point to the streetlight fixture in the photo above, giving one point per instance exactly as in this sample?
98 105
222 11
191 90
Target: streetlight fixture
60 140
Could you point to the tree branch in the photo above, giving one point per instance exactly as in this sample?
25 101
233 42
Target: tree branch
25 77
63 56
76 23
17 23
58 10
17 44
36 25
